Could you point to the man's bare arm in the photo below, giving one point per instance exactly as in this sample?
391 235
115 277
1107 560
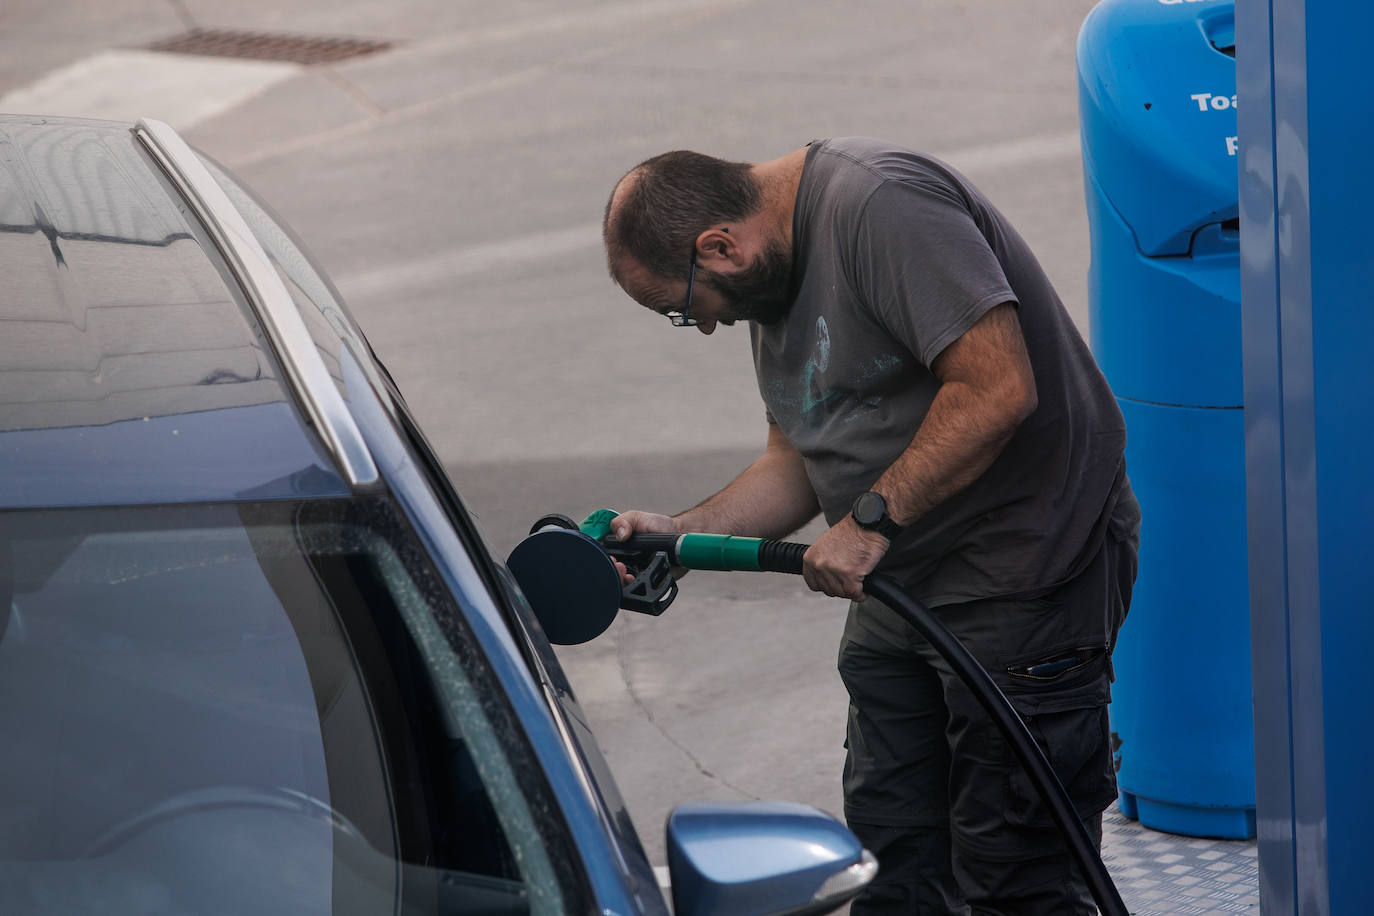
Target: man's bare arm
987 388
771 498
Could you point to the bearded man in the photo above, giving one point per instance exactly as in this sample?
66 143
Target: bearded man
926 390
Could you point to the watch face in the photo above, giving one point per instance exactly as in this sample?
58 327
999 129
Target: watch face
869 509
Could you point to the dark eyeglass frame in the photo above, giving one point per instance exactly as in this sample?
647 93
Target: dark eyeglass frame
683 318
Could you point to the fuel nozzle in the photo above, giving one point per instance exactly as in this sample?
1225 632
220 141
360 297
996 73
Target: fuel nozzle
567 570
647 557
570 579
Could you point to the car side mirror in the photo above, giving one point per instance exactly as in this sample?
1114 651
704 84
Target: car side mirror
760 858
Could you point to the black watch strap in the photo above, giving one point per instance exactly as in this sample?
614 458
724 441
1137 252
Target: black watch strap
870 513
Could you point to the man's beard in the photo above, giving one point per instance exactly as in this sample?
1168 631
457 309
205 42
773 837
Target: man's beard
760 292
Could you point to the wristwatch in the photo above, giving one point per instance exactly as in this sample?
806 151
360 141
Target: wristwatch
870 513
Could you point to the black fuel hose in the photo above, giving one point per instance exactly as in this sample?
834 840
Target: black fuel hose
990 696
1080 844
725 552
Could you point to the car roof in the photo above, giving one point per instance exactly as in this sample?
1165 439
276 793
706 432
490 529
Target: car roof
133 365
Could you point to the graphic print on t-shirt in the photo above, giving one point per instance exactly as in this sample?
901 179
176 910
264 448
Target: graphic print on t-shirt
812 395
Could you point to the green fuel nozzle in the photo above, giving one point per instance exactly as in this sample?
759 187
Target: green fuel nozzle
723 552
559 551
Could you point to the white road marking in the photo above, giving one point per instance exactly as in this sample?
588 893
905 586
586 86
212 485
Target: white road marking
445 266
441 268
612 20
185 90
396 115
125 85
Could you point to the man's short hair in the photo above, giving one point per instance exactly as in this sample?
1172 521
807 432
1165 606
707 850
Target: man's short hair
670 200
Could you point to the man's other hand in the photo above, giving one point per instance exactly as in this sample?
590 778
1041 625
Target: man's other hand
838 561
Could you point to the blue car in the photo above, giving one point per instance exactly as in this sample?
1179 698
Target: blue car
254 658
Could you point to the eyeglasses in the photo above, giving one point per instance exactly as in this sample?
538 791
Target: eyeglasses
683 318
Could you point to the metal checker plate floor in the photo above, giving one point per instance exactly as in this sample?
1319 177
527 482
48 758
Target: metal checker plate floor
1160 874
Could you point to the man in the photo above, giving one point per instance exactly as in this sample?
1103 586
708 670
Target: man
926 390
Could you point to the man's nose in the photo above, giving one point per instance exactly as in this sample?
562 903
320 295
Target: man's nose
707 327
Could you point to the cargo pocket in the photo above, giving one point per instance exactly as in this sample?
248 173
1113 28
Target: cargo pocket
1075 741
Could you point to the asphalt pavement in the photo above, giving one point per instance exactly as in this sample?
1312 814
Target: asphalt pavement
453 184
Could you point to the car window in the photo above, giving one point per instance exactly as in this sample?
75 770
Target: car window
260 707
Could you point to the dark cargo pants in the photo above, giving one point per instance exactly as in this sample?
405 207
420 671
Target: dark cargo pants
930 785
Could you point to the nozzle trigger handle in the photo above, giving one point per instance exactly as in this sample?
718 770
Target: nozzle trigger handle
653 588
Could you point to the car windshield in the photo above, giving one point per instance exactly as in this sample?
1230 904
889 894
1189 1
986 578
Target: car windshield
254 708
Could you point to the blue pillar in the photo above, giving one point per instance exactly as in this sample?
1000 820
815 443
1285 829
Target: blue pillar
1306 127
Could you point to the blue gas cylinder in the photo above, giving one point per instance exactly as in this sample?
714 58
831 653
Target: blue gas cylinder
1157 105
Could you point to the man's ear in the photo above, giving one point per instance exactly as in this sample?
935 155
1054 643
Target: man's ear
717 248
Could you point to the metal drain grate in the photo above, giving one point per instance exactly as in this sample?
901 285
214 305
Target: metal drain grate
300 49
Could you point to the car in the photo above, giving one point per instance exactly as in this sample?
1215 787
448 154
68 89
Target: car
254 656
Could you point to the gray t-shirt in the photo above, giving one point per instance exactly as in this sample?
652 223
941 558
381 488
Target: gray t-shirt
895 256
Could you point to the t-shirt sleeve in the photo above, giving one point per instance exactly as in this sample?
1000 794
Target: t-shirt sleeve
923 266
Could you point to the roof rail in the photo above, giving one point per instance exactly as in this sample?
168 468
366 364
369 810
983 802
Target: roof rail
295 349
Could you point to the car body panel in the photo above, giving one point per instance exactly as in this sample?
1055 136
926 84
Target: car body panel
205 415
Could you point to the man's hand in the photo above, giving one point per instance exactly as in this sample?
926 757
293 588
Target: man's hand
838 561
637 522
